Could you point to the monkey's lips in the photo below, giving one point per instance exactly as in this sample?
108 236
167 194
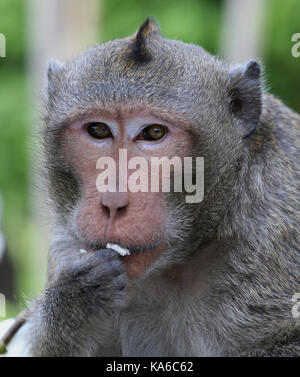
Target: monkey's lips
140 257
120 250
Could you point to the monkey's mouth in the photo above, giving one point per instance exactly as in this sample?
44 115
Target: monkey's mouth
140 258
122 248
122 251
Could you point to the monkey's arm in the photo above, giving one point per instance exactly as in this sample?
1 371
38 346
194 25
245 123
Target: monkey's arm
75 314
287 350
287 345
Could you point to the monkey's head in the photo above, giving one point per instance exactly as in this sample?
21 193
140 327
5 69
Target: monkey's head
152 97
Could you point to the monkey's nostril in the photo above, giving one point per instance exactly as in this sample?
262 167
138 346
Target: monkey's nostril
106 210
121 210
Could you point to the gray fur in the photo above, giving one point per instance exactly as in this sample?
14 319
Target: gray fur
248 223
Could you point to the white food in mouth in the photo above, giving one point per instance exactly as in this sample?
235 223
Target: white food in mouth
118 249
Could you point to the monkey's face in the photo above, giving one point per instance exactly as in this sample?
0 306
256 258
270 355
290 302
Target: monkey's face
128 144
151 98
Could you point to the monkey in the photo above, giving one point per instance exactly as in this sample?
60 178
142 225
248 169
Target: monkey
214 278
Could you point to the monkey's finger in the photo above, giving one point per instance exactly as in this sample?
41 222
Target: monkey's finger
106 254
121 281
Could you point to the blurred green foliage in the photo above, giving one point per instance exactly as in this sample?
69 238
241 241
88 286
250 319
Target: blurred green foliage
193 21
282 69
14 138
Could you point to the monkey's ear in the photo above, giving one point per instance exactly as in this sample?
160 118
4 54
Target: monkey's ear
55 68
245 93
55 71
140 47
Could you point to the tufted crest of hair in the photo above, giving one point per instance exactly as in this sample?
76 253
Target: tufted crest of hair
140 52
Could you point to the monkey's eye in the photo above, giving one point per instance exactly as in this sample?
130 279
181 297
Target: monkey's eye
98 130
153 132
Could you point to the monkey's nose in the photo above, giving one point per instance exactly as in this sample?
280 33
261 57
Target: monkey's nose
114 203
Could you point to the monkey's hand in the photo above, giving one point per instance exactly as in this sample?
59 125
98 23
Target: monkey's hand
97 282
80 304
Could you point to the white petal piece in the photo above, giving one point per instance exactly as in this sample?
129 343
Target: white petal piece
118 249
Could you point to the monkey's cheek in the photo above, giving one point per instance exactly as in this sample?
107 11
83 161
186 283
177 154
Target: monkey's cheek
137 263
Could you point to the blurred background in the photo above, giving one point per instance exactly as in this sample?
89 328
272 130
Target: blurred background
36 30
